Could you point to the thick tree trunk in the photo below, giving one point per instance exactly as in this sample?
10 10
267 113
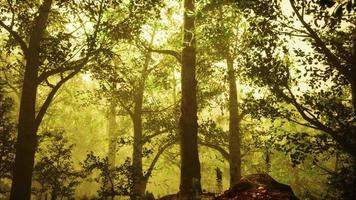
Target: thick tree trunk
26 139
234 127
27 128
190 187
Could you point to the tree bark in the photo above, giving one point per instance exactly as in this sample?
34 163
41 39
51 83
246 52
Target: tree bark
190 187
112 133
234 126
353 72
112 136
27 137
137 189
139 180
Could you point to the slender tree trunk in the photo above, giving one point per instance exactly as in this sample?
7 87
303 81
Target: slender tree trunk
353 73
27 137
337 160
139 180
234 126
190 187
137 189
112 133
349 142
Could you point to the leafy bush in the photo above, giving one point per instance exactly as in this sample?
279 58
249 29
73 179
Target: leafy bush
113 180
54 170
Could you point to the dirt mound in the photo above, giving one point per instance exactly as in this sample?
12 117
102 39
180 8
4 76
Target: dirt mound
258 186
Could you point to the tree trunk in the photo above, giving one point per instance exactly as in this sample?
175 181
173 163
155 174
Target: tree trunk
234 126
27 129
137 192
26 139
353 73
112 133
139 181
190 187
349 142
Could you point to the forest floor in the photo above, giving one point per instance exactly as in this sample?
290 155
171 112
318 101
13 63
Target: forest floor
251 187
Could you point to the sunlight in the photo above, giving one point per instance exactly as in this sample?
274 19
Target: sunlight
86 77
111 102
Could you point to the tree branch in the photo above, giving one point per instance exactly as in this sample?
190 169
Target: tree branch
50 97
157 133
126 108
173 53
159 153
302 124
216 147
242 115
76 64
301 110
329 171
331 58
40 26
16 36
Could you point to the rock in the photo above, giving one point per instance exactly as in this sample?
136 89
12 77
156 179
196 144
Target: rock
258 186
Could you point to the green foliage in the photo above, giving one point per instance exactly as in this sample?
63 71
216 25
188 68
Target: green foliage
295 96
54 169
341 182
7 139
114 181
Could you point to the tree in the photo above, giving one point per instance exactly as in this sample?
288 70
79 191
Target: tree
340 60
35 55
223 36
49 55
188 123
123 79
26 139
325 102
